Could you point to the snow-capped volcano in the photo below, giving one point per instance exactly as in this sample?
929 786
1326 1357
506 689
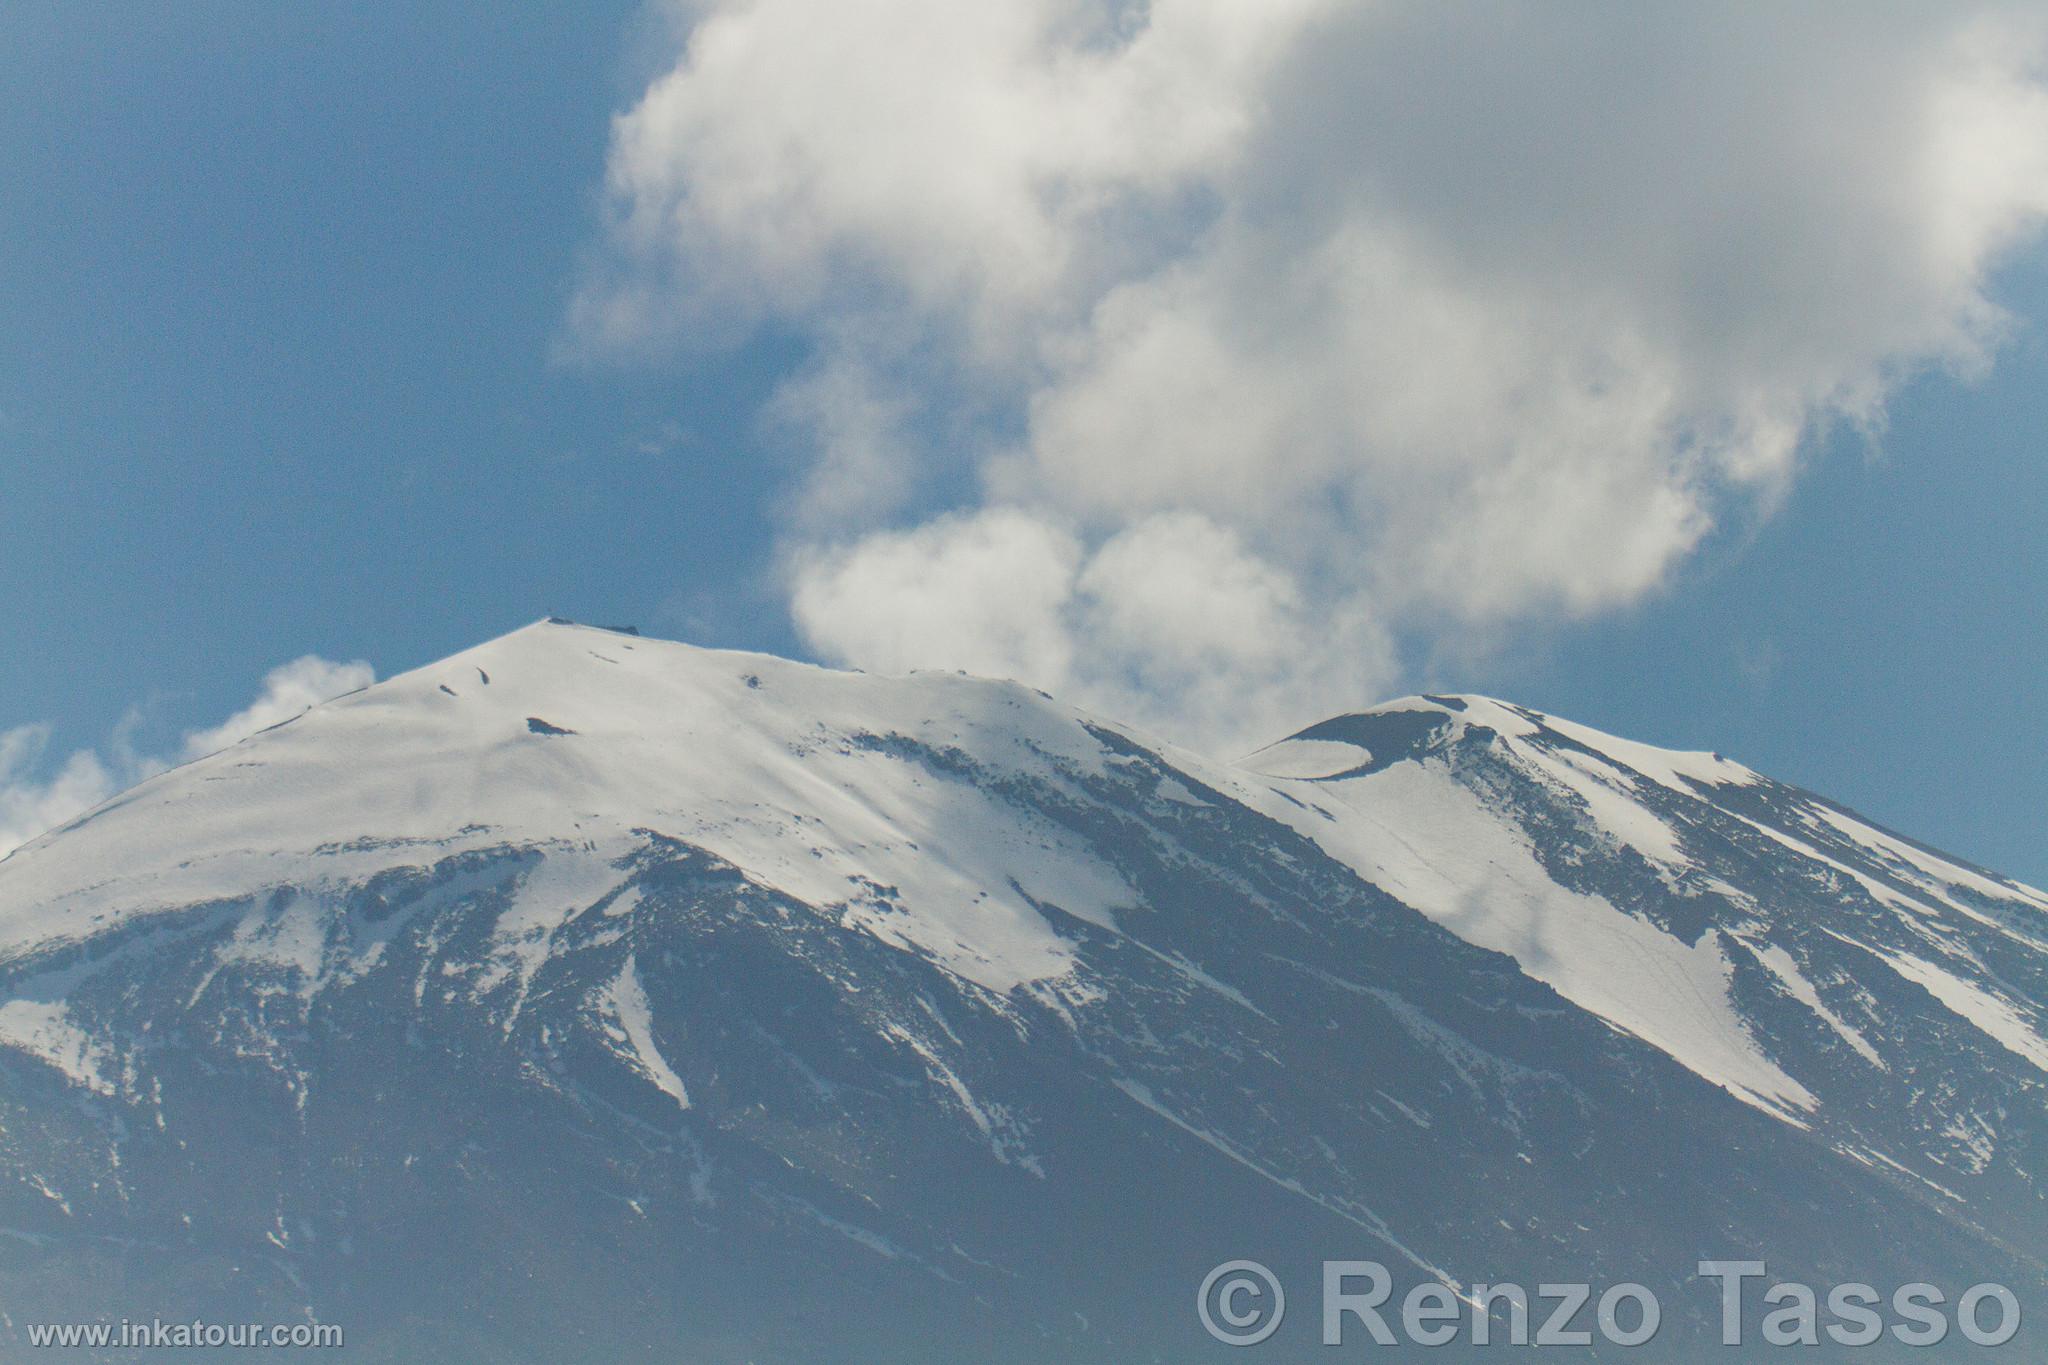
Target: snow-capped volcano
589 996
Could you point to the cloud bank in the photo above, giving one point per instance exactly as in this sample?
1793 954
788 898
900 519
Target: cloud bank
31 804
1247 340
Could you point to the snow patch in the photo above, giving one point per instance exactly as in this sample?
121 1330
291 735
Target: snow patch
1417 832
1676 769
1996 1018
1785 967
625 1004
43 1029
1609 795
291 938
1935 875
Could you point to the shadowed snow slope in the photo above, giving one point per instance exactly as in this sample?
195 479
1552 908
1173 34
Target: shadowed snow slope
586 996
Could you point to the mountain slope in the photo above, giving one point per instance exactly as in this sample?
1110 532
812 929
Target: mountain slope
584 996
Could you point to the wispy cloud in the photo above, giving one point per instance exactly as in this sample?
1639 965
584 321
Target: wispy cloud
288 690
1354 321
36 797
30 805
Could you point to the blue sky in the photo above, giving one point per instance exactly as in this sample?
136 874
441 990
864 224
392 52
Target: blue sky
289 364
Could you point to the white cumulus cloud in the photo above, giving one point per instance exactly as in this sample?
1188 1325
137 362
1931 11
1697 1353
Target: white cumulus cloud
1261 334
34 799
1171 622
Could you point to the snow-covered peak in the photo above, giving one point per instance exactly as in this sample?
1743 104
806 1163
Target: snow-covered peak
971 822
1528 833
575 738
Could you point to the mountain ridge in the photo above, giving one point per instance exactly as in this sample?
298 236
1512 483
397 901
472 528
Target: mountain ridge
785 958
